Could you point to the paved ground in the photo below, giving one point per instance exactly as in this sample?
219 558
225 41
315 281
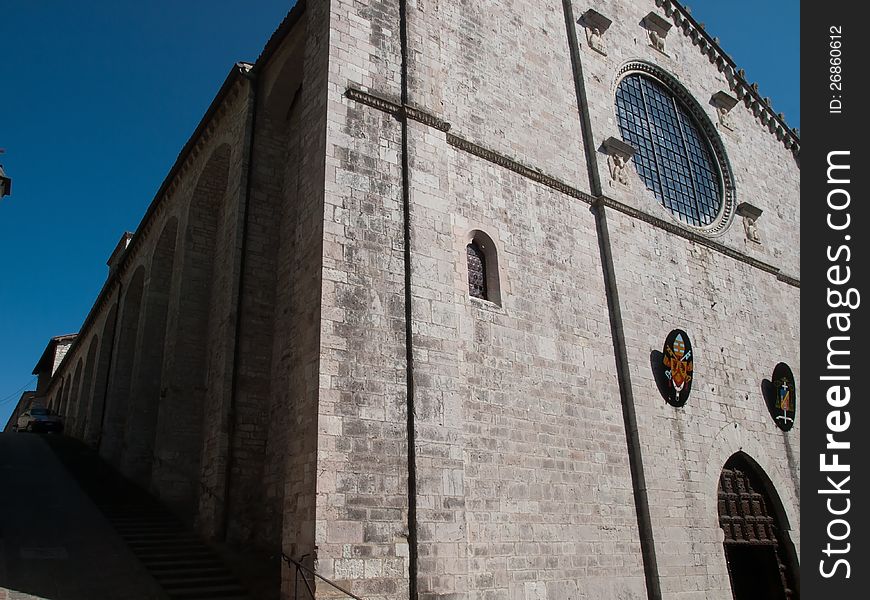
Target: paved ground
54 543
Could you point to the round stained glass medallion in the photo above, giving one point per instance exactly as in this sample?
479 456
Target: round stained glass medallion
673 156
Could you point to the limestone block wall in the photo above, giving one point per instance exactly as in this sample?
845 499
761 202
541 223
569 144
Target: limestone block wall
247 419
272 475
188 368
149 366
524 488
362 470
92 426
231 153
517 410
473 73
249 358
79 407
500 72
296 370
741 322
197 371
742 317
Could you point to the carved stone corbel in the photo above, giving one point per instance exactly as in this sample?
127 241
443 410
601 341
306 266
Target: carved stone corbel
724 102
750 215
618 155
657 30
595 24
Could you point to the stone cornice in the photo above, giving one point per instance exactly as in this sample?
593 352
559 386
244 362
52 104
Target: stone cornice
745 91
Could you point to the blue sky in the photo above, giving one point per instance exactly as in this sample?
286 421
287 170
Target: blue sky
97 98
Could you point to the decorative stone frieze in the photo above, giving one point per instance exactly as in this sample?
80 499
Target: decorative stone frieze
742 89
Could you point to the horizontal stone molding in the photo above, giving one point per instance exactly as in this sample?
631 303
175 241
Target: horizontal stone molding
694 237
516 167
539 176
789 279
397 110
745 91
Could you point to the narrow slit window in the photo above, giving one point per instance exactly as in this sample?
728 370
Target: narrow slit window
476 271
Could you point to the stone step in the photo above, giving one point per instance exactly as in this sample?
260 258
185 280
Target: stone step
157 541
159 565
144 524
178 583
175 555
218 591
189 573
179 561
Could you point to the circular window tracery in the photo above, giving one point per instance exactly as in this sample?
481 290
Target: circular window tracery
674 154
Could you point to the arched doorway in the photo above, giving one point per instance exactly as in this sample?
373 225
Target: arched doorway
761 559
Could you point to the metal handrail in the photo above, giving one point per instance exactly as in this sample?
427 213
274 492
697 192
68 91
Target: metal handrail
300 567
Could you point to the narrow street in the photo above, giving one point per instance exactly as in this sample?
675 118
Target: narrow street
54 543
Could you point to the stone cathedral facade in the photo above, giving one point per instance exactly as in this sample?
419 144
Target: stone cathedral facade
485 300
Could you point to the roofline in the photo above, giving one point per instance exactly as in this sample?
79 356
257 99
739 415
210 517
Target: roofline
240 70
125 241
279 35
52 346
736 77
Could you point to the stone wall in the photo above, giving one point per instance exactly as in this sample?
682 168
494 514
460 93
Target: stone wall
362 485
517 404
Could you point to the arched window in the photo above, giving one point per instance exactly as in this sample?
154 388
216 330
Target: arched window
673 156
476 271
482 262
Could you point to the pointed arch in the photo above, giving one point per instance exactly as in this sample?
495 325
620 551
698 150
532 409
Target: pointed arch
75 398
93 421
761 559
147 379
64 401
179 432
115 417
85 392
57 399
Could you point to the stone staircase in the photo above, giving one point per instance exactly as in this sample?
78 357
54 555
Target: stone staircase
181 562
